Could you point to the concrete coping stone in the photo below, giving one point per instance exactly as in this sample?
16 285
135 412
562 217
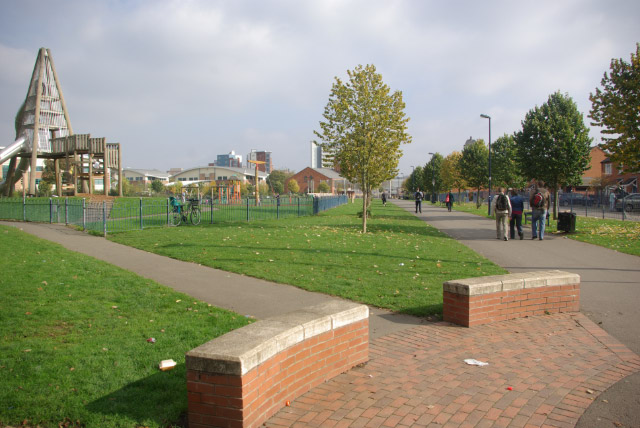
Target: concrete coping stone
514 281
241 350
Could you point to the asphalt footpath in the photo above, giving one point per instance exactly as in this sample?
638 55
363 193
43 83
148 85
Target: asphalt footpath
609 288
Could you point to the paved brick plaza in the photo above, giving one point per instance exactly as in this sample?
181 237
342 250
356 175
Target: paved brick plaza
556 366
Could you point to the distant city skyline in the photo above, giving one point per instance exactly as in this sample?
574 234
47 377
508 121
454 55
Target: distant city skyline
177 83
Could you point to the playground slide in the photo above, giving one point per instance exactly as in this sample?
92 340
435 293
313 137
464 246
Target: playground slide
13 148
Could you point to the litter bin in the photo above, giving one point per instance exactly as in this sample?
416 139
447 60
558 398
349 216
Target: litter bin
567 221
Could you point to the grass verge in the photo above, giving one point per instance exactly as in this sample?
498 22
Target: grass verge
399 265
74 344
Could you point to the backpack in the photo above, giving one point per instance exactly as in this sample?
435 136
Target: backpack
418 196
447 199
501 203
538 200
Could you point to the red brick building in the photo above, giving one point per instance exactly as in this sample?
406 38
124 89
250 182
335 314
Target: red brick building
310 178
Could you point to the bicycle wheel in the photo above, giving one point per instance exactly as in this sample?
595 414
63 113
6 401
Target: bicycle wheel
195 216
175 218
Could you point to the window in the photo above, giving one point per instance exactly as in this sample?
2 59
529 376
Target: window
607 169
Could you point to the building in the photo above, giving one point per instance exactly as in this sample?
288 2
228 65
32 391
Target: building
144 177
230 159
217 174
310 178
261 156
316 156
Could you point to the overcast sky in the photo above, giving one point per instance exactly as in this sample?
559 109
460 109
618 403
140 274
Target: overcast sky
179 82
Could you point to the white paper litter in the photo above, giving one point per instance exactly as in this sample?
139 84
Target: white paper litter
473 362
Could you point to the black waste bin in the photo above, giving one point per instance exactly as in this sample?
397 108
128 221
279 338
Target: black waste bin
567 222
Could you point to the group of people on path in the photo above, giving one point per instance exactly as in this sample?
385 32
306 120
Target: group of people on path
419 196
512 208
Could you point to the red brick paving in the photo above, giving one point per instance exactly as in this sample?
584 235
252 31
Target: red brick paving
556 366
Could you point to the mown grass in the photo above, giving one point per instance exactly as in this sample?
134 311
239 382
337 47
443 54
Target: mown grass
623 236
74 336
399 265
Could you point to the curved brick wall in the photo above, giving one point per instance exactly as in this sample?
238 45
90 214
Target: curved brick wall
244 377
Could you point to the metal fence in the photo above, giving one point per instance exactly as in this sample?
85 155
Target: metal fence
137 214
570 202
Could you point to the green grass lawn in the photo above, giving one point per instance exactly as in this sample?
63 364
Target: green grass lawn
400 264
623 236
74 336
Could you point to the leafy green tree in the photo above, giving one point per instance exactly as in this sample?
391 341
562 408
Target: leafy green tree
474 166
616 108
415 180
323 187
293 186
276 180
432 182
450 173
554 144
363 128
505 170
157 186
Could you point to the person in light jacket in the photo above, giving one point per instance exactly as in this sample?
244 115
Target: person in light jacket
501 207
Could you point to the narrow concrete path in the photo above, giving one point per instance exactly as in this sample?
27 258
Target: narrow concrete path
242 294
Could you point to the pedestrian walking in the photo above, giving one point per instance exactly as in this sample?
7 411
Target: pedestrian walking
501 208
449 200
418 197
515 221
539 202
384 199
612 201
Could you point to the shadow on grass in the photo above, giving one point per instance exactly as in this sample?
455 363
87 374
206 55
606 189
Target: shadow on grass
159 399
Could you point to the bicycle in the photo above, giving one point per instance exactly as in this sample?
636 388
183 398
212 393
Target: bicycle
181 213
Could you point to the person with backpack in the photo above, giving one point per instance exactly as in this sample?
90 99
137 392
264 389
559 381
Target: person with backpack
384 199
539 203
501 207
419 196
449 200
515 221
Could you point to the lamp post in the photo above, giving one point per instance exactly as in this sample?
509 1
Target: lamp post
486 116
413 179
433 179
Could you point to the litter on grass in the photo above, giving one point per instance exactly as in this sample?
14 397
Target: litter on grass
473 362
166 365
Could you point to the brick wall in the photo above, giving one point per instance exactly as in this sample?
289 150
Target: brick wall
475 301
244 377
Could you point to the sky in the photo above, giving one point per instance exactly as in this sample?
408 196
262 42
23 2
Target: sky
179 82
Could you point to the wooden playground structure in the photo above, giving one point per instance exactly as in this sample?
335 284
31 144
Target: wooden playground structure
229 192
44 132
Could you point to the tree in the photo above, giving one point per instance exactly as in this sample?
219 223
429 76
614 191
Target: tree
157 186
554 144
276 180
432 182
616 108
363 128
294 187
450 173
323 187
504 167
474 166
415 180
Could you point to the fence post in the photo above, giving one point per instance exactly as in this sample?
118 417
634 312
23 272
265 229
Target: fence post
104 217
278 210
168 212
298 206
24 208
50 210
247 208
66 212
141 225
84 215
211 208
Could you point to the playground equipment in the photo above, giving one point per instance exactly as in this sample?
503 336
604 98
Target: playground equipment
44 131
257 162
229 192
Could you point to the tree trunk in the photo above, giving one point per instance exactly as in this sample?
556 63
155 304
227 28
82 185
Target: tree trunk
364 210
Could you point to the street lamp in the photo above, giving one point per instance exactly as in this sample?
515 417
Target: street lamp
433 180
413 179
486 116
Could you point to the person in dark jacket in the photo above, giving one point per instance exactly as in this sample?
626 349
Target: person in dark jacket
517 207
419 196
449 200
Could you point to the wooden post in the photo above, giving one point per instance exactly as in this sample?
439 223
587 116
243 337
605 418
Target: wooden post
40 63
56 164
